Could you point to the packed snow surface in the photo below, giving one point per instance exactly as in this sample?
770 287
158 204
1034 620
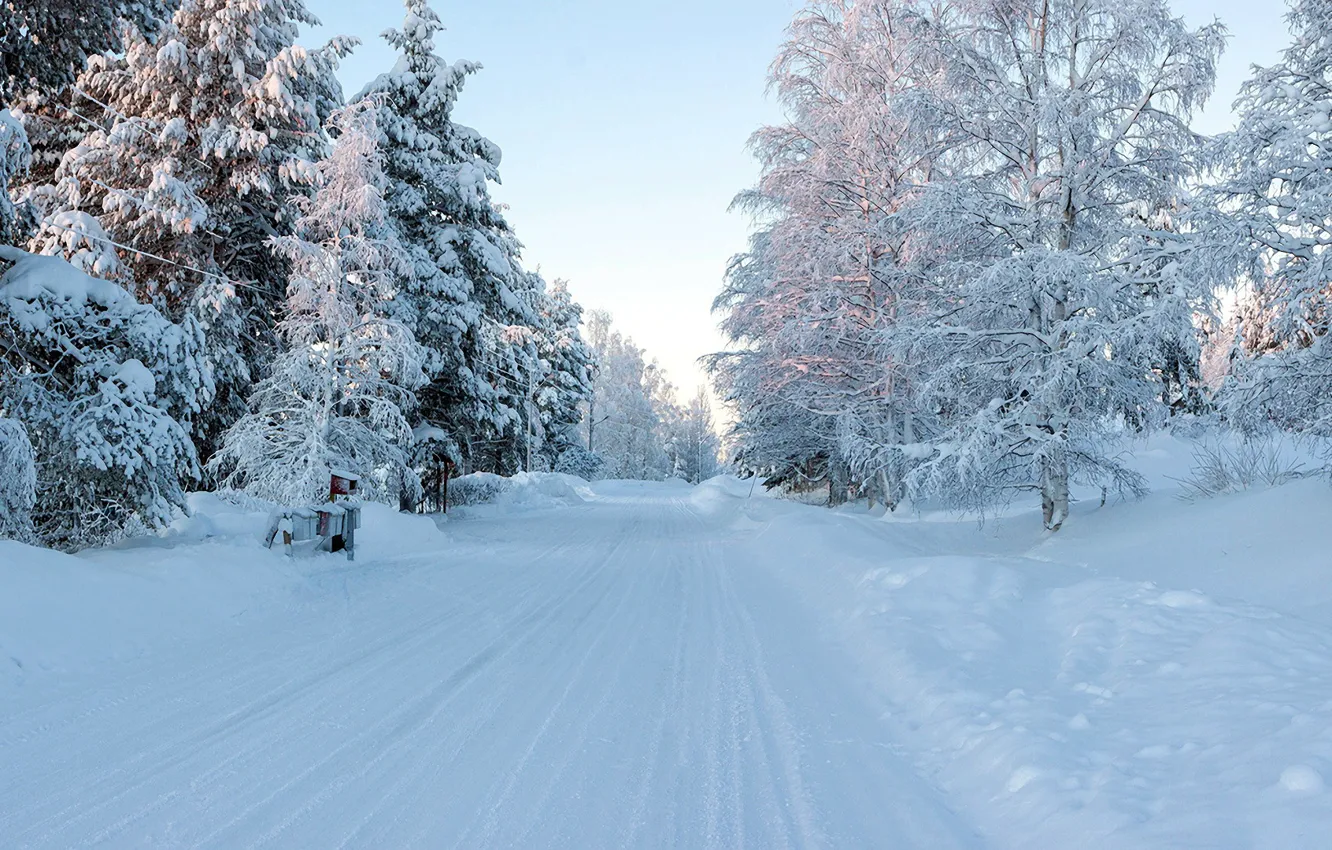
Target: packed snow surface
655 665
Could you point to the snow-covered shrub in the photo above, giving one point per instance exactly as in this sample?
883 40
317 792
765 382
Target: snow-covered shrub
479 488
105 387
578 461
18 481
1221 467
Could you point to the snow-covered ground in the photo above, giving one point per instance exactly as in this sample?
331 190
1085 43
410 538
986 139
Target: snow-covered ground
657 665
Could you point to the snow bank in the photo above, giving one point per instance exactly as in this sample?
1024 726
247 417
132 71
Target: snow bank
65 613
1157 674
524 491
722 494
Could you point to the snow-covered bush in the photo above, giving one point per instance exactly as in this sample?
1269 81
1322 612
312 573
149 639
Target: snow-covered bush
105 388
524 491
1221 467
479 488
18 481
578 461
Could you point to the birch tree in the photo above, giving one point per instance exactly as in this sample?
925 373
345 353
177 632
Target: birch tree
824 283
1271 230
339 395
1071 146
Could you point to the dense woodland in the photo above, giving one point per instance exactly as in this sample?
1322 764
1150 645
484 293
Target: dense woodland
992 252
220 271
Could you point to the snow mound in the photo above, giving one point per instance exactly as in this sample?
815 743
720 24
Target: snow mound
64 613
1154 664
720 495
1302 779
524 491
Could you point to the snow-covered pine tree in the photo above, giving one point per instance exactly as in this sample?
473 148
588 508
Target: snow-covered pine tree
566 366
1071 142
1272 230
338 395
460 301
15 154
206 135
44 46
105 388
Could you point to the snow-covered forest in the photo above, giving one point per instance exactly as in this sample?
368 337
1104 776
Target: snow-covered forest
220 270
992 253
1035 372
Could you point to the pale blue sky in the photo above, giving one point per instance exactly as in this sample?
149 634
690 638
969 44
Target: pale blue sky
623 126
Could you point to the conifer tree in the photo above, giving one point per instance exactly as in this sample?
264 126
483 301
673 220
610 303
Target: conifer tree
464 300
207 133
566 382
45 44
105 389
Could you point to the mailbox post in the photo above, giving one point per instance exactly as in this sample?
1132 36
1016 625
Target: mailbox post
343 486
334 522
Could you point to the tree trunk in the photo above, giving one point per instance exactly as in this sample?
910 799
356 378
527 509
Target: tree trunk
1054 491
837 481
444 478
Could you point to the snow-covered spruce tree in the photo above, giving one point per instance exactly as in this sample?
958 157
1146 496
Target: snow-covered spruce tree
461 301
566 367
105 388
207 134
18 482
1071 143
1272 231
15 154
337 396
44 44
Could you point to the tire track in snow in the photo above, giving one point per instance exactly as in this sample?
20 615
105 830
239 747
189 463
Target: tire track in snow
401 726
152 764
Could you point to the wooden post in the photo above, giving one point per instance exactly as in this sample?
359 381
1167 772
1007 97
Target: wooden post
448 467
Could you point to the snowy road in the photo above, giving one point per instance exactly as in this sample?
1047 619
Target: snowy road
620 674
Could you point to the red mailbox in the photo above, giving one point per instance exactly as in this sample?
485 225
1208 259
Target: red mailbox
343 484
